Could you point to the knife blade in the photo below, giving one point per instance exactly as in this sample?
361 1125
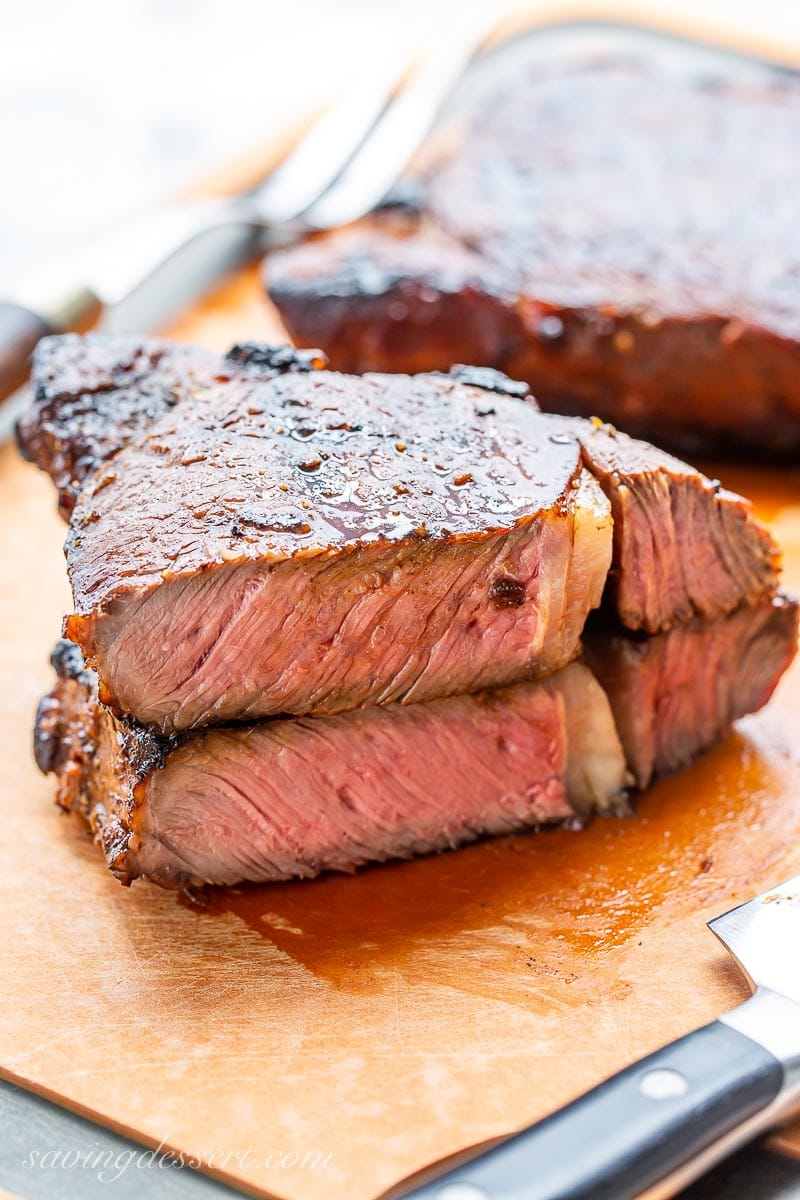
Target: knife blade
657 1125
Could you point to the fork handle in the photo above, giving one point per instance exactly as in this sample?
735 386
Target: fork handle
20 330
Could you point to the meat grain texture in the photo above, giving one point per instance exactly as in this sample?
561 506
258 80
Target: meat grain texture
675 694
294 797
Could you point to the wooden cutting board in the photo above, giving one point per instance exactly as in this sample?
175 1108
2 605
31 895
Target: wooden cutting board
362 1027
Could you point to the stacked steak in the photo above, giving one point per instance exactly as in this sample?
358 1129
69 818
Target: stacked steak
322 620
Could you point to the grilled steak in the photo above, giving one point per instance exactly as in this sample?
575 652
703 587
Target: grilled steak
618 233
323 542
94 394
673 695
344 494
299 796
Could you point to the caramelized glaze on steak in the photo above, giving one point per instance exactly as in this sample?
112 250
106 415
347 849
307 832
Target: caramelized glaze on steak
295 797
617 233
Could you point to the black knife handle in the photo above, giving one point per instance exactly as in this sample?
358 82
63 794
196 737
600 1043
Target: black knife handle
20 330
632 1131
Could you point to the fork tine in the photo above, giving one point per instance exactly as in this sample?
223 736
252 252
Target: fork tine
318 159
400 130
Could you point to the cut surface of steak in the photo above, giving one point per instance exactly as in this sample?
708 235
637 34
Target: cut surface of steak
674 695
684 546
295 797
599 230
322 542
94 394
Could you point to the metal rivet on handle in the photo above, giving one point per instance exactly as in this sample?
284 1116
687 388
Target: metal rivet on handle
663 1084
462 1191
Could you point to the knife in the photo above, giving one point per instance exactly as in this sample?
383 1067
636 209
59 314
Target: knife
657 1125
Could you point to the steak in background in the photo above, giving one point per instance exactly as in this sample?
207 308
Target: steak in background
674 694
94 394
295 797
619 234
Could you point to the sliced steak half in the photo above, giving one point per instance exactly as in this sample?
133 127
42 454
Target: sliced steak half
322 542
684 546
675 694
295 797
97 394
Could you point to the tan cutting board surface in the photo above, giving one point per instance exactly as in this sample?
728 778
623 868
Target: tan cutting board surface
382 1021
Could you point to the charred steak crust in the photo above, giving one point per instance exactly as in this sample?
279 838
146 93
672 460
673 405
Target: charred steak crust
67 660
99 761
95 393
92 395
275 360
599 231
